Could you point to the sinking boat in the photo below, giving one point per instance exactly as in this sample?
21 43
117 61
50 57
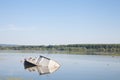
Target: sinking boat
41 70
41 64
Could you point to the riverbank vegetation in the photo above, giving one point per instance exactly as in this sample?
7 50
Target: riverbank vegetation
71 48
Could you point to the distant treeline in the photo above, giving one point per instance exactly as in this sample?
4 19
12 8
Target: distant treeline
69 48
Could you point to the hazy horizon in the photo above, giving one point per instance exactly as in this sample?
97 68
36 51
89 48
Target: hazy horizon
51 22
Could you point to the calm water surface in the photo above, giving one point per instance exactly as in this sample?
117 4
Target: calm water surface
73 67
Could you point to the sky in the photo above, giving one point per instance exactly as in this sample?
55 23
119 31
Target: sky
56 22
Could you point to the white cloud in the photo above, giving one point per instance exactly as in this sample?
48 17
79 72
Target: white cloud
11 25
14 27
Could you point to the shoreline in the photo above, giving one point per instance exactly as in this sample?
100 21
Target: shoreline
61 52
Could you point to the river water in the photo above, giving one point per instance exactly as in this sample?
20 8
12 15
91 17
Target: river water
73 67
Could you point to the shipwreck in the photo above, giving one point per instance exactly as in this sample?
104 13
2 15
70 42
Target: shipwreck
42 64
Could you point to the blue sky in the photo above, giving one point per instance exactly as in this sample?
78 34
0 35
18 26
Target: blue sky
45 22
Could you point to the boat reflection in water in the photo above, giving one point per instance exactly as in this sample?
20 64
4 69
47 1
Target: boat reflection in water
42 65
